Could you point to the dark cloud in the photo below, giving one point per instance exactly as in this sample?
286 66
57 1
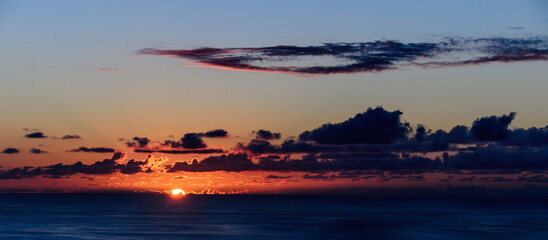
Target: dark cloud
225 162
528 137
94 149
499 157
138 142
217 133
540 178
35 135
375 126
37 151
189 143
277 177
10 151
492 128
71 137
192 141
367 56
107 166
180 151
262 134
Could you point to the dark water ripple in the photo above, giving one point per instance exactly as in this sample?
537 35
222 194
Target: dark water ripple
151 216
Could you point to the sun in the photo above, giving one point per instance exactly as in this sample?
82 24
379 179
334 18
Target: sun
178 192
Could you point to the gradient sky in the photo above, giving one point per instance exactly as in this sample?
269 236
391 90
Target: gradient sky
72 67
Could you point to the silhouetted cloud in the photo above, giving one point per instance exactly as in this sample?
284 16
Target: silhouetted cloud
93 149
367 56
492 128
262 134
71 137
107 166
499 157
277 177
139 142
10 151
215 133
376 126
35 135
180 151
225 162
192 141
37 151
528 137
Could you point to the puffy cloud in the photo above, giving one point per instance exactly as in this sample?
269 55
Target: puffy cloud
217 133
492 128
192 141
375 126
528 137
225 162
37 151
35 135
333 58
93 149
262 134
139 142
499 157
10 151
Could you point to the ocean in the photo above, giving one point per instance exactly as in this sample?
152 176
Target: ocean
157 216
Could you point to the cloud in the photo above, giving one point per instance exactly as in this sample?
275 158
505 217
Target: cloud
189 143
528 137
139 141
225 162
333 58
35 135
192 141
31 130
107 166
71 137
180 151
107 69
262 134
277 177
217 133
10 151
500 157
37 151
492 128
376 126
93 149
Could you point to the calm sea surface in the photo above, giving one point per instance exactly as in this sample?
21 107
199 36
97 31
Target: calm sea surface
151 216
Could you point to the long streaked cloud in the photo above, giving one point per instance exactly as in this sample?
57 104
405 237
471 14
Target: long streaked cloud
93 149
107 69
334 58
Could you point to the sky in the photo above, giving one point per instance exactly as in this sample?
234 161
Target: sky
89 81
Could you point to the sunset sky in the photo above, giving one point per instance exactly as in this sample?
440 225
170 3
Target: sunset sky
244 88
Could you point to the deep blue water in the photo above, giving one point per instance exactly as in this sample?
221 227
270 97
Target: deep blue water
151 216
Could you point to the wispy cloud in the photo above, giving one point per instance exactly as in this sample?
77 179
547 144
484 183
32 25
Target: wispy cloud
107 69
334 58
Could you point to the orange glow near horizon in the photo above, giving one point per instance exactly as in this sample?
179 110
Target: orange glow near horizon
177 192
